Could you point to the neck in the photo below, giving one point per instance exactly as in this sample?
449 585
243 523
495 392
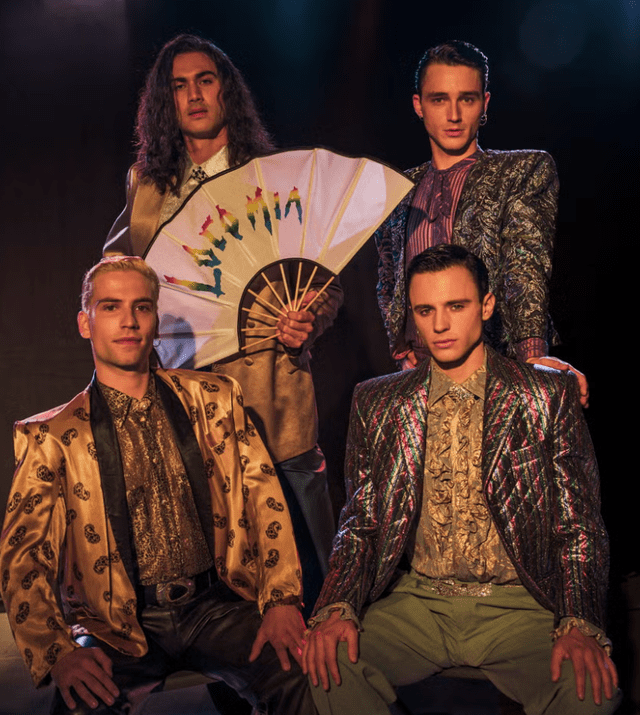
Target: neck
132 383
462 369
202 149
443 160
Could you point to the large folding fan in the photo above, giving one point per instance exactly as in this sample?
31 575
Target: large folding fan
311 206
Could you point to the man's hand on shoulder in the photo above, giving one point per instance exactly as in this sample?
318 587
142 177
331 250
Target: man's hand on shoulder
558 364
319 657
88 671
282 626
296 327
586 656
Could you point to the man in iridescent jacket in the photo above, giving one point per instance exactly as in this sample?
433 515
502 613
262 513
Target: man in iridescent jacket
472 532
501 205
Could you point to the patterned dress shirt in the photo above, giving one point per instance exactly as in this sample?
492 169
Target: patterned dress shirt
456 536
167 534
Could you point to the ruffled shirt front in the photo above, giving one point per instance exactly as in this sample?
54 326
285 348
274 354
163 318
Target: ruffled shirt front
456 536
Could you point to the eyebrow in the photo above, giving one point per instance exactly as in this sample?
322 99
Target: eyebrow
448 303
119 300
200 75
473 93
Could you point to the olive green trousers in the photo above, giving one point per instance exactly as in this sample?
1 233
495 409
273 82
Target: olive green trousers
415 632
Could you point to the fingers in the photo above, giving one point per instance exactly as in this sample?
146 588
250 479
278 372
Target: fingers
295 328
352 645
257 646
412 358
69 701
319 651
308 298
104 662
565 367
283 656
587 658
584 386
88 671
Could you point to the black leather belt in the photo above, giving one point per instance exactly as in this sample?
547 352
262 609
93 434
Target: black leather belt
180 590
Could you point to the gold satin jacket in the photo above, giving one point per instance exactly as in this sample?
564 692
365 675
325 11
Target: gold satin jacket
276 382
66 558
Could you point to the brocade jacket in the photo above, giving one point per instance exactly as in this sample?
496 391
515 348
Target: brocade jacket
540 482
276 381
506 215
67 559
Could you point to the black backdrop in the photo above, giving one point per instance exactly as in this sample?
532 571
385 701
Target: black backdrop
336 73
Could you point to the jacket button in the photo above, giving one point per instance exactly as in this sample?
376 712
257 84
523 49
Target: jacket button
248 361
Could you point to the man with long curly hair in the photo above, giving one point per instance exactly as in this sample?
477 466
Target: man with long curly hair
197 118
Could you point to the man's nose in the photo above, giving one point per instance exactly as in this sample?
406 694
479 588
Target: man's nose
454 112
195 92
130 318
440 321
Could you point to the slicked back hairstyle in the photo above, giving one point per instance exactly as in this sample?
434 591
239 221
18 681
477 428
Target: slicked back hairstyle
454 53
117 263
447 255
161 150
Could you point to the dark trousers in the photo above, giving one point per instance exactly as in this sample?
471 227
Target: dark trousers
211 634
304 484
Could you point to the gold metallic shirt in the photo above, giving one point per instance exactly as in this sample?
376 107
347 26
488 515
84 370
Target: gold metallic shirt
456 536
167 534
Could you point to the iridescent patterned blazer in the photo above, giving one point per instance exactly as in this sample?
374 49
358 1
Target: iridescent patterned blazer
506 215
66 557
540 482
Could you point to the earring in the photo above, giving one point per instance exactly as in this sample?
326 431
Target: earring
483 120
156 342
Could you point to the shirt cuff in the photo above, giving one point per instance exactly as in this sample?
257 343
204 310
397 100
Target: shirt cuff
347 613
586 628
288 601
531 347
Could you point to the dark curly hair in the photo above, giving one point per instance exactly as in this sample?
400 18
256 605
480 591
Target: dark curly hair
161 153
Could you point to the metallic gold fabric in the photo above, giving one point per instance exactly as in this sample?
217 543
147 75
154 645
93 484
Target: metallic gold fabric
456 536
276 383
58 537
168 537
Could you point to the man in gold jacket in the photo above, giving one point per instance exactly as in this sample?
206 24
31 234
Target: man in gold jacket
146 531
197 118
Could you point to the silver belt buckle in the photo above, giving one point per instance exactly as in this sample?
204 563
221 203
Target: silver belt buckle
164 592
449 588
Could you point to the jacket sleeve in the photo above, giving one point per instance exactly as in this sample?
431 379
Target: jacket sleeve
32 544
352 564
118 241
581 542
526 240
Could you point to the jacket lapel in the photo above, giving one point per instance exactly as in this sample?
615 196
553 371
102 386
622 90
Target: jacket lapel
500 405
410 427
112 477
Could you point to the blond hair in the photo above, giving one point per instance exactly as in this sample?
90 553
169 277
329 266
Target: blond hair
117 263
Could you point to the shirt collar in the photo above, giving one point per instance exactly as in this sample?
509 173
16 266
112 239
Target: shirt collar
463 163
121 405
440 383
212 166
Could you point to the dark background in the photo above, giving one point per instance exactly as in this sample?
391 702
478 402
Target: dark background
336 73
